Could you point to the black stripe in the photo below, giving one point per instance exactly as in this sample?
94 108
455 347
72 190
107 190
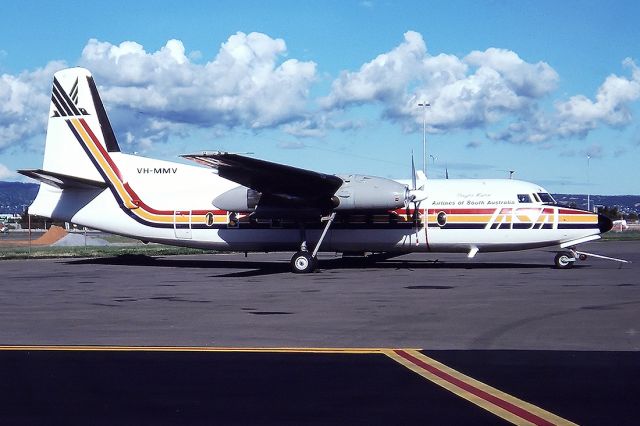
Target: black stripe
57 105
65 97
578 226
107 132
74 92
522 225
65 111
110 185
459 226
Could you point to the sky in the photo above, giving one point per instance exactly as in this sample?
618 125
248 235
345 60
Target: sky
547 89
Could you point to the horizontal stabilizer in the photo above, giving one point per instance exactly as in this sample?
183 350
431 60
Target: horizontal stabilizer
62 181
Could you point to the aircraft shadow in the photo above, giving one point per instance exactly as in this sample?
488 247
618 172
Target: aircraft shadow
250 268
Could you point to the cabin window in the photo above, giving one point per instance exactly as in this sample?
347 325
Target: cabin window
442 219
546 198
524 198
209 219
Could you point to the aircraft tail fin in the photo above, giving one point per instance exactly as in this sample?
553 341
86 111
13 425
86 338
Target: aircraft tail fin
77 125
78 143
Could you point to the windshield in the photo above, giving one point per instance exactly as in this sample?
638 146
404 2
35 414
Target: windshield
546 198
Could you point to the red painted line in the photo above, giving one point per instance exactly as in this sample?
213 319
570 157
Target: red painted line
505 405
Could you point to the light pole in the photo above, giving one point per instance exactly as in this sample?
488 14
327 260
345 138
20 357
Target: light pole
588 182
424 106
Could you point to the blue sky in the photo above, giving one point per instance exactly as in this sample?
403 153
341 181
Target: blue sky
530 86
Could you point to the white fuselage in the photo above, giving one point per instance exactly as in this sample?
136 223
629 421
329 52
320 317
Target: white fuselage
171 203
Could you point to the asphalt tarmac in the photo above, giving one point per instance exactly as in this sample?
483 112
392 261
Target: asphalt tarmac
565 341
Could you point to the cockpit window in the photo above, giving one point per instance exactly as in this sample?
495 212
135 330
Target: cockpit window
546 198
524 198
535 196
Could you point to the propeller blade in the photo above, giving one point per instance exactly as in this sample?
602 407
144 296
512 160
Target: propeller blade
413 172
417 195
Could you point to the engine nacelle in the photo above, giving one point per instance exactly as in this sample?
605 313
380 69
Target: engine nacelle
359 192
239 199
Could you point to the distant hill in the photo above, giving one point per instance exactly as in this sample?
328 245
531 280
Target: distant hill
625 203
15 195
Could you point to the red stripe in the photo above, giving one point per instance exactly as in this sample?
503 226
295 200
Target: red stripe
100 148
567 211
505 405
136 199
462 211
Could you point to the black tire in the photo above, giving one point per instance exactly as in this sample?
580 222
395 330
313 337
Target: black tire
303 263
564 260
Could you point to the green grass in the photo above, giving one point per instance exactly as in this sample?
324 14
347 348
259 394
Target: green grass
622 236
107 251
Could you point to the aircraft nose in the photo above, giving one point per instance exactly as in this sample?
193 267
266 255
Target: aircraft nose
604 223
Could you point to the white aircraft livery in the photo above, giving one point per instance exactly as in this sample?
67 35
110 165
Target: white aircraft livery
239 203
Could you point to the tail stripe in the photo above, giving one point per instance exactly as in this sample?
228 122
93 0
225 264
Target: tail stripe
63 110
74 92
70 107
128 200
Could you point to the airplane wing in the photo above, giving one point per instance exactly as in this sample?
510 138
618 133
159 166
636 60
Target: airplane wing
270 178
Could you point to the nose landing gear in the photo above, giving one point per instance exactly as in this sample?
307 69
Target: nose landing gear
565 260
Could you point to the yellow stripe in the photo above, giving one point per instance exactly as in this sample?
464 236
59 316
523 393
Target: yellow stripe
462 218
585 218
116 182
108 348
498 411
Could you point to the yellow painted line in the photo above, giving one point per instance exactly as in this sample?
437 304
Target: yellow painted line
491 399
109 348
459 384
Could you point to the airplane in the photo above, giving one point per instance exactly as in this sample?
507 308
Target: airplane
244 204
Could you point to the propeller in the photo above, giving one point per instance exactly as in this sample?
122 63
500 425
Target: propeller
415 195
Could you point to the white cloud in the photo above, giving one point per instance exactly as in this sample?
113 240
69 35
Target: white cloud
24 103
579 115
6 173
473 91
251 83
248 84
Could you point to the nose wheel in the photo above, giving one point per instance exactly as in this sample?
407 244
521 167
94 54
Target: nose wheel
565 260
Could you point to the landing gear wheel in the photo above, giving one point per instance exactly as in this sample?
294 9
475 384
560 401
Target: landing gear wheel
303 263
582 257
564 260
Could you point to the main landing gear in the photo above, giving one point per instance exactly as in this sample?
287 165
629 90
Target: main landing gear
304 262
